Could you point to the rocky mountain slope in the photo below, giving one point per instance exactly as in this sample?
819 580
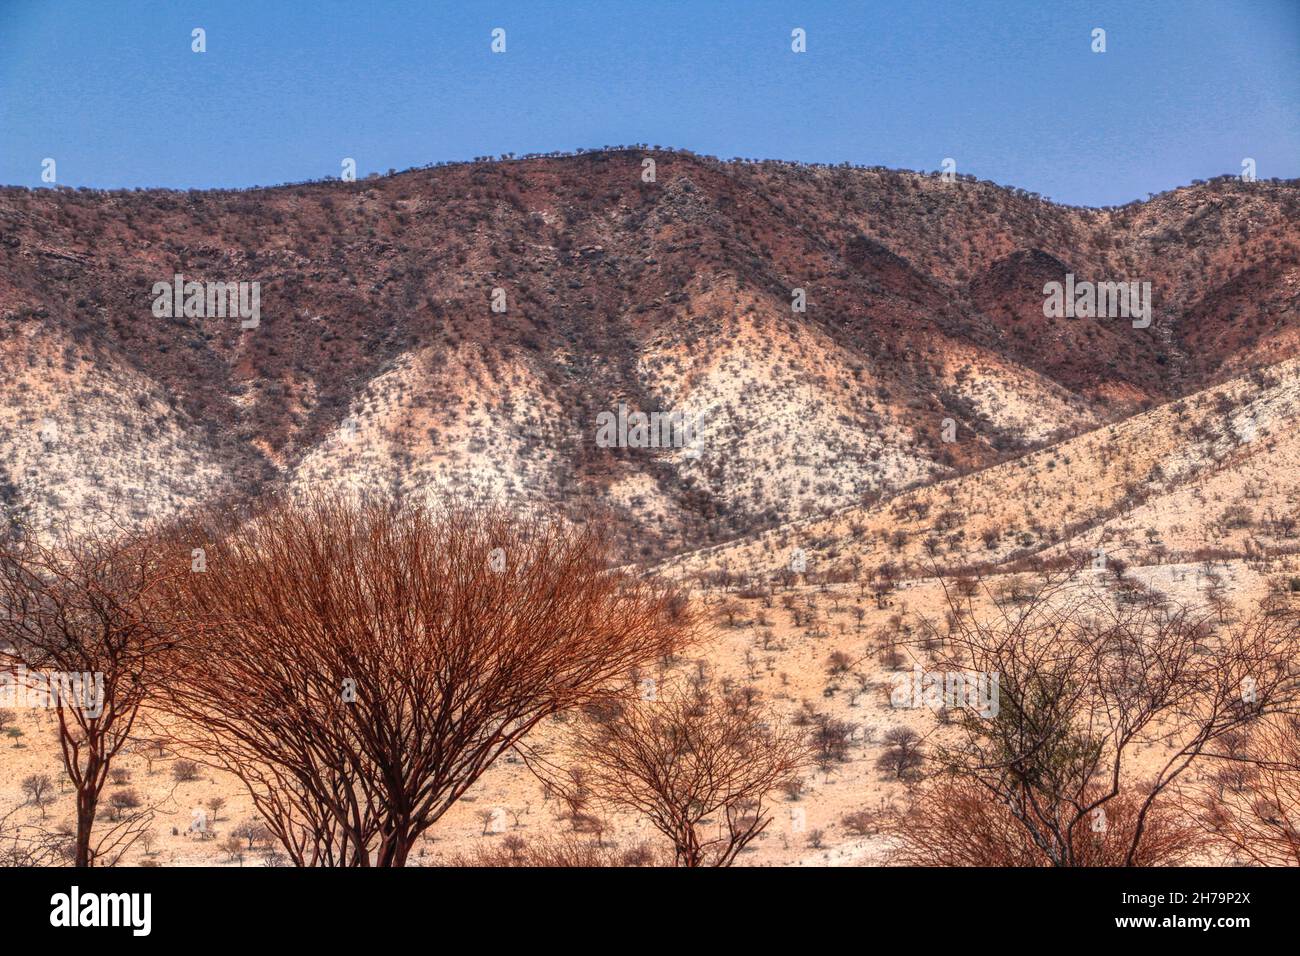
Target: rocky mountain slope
380 363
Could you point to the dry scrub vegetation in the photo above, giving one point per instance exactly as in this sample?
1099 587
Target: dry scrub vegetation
379 364
353 684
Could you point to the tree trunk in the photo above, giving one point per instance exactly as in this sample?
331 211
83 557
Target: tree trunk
86 804
393 850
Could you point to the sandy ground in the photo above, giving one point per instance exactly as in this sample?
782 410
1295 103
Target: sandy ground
791 672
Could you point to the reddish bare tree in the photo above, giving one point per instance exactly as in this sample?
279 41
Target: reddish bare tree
82 623
358 667
1260 822
697 765
954 822
1085 679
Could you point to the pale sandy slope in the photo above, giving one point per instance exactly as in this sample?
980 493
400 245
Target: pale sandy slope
1154 487
87 442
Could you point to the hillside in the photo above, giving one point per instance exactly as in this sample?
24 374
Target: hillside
1210 475
380 364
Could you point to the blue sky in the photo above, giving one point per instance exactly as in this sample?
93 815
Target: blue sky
1011 90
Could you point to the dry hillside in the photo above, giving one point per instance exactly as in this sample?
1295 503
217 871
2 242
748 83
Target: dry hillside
379 362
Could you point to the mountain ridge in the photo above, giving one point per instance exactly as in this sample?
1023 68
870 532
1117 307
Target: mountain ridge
379 363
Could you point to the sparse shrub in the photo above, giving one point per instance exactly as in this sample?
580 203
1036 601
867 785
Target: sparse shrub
122 800
860 822
566 850
39 790
902 753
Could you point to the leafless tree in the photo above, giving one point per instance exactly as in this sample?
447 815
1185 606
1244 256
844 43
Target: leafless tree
215 805
902 754
38 787
1086 680
122 800
952 821
150 749
234 848
254 831
89 606
1260 823
358 667
699 767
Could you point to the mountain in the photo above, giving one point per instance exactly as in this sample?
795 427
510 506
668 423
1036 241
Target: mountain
379 363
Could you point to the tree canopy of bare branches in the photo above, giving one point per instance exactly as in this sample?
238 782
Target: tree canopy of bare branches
952 821
699 766
1087 679
358 667
1259 820
83 618
24 846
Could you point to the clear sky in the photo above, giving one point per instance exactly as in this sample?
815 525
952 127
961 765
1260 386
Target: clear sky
1010 89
